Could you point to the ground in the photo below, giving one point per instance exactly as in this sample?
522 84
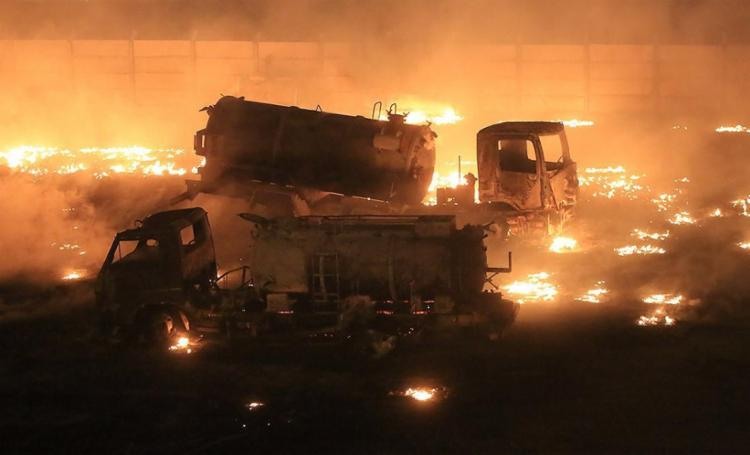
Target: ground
565 378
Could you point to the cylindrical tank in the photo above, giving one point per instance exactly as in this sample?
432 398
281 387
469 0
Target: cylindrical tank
248 141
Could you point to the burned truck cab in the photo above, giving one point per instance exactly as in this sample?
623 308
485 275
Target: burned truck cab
165 261
525 169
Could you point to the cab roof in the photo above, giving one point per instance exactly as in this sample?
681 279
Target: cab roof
538 128
174 218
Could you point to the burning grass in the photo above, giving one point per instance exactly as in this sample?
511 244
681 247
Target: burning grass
100 162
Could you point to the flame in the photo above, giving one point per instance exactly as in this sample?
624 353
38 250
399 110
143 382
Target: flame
420 393
733 129
658 317
611 181
639 250
595 294
681 218
445 115
101 162
182 345
643 235
716 213
74 275
663 299
664 201
563 244
535 288
575 123
742 205
605 170
744 245
253 405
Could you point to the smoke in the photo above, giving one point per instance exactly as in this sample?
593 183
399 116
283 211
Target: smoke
57 225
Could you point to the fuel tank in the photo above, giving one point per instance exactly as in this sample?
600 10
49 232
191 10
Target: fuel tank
247 142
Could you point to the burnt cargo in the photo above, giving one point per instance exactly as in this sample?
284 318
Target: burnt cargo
246 142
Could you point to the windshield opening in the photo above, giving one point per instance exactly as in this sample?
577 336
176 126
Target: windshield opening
143 250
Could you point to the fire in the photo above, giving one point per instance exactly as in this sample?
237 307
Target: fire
610 182
744 245
639 250
594 295
101 162
445 115
663 299
575 123
535 288
605 170
420 393
643 235
74 275
716 213
253 405
658 317
681 218
742 205
563 244
182 345
664 201
733 129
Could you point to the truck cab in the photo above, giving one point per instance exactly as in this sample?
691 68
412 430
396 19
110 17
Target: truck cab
150 270
525 168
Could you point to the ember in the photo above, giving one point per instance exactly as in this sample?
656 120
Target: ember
733 129
681 218
639 250
668 299
643 235
610 182
594 295
658 317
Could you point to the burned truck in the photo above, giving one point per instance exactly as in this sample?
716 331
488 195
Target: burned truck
311 162
309 276
519 187
271 153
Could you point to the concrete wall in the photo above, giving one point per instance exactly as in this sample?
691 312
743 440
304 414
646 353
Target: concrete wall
157 79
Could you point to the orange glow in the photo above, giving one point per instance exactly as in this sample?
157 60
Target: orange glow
535 288
668 299
643 235
733 129
658 317
594 295
563 245
101 162
420 393
639 250
419 113
681 218
74 275
182 345
575 123
612 181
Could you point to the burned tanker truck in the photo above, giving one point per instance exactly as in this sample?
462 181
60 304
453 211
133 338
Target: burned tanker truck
287 160
311 161
332 276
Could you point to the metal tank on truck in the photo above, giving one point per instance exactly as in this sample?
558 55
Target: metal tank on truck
261 151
